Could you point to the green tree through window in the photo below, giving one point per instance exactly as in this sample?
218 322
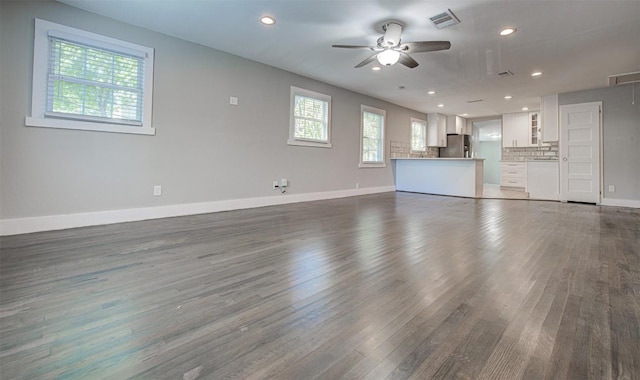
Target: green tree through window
93 82
372 135
418 135
311 118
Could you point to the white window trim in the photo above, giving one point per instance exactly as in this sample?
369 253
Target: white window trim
376 164
424 122
305 142
39 90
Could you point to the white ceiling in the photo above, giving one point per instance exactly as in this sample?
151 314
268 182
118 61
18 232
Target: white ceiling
576 44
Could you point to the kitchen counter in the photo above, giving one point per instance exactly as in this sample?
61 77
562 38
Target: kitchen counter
460 177
532 159
438 158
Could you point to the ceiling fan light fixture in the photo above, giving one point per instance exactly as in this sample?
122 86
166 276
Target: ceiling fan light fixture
388 57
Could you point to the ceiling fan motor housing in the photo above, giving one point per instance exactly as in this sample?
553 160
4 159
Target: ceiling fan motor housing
392 32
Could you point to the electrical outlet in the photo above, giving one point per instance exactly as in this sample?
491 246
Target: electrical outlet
284 182
157 190
275 185
612 189
357 185
233 101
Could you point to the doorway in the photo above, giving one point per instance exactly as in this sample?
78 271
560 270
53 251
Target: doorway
488 134
580 152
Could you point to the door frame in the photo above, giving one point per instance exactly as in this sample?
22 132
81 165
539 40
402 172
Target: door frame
563 195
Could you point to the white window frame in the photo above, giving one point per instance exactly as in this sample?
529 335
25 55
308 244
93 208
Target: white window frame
293 140
383 113
38 116
423 123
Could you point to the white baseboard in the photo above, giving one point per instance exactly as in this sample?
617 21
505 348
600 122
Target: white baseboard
620 202
60 222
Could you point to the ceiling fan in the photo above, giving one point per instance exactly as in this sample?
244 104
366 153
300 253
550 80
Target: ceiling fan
390 48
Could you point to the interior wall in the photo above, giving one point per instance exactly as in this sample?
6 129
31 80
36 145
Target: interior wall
204 149
490 151
621 136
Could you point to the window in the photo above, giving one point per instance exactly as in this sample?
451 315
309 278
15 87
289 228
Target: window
86 81
310 123
418 135
372 133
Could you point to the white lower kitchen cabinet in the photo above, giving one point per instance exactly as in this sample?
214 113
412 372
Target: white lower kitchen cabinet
543 180
513 174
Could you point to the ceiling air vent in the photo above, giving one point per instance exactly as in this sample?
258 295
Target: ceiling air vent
444 19
474 101
618 79
505 74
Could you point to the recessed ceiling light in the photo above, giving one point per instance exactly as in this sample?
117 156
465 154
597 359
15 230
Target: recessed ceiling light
507 31
440 105
431 92
267 20
508 97
376 68
525 108
536 74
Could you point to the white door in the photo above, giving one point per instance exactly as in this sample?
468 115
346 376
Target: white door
580 152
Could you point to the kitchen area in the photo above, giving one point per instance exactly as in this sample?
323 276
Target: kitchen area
517 158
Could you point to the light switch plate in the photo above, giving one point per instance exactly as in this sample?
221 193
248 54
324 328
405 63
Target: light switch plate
233 101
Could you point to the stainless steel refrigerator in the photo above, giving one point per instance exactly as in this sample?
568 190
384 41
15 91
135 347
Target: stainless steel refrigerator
458 146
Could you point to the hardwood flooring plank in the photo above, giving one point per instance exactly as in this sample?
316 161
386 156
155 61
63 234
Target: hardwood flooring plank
393 285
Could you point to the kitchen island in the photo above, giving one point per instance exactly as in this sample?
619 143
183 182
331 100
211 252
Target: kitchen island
460 177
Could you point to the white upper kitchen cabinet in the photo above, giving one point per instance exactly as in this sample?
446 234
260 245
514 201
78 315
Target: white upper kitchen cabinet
456 125
515 130
549 117
533 129
436 130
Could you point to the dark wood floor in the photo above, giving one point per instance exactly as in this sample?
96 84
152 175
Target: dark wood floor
392 285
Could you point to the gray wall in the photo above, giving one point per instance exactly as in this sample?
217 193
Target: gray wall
621 136
490 151
204 149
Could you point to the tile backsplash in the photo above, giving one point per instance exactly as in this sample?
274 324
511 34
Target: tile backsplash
538 153
400 149
547 152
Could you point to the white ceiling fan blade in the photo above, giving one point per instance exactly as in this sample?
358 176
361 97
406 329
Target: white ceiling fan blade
353 47
406 60
424 46
366 61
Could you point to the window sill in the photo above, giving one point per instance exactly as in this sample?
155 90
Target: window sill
372 165
308 143
87 126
